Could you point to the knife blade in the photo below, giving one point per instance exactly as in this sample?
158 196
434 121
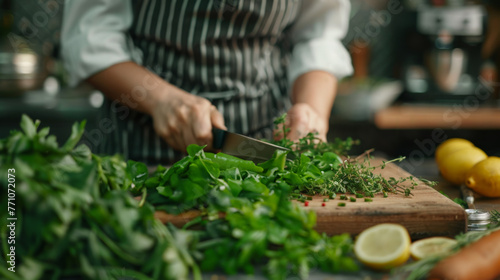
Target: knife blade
244 147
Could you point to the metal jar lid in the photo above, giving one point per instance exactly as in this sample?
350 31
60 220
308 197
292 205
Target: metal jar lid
478 224
478 215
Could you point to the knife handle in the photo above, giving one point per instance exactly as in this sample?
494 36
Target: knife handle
218 138
468 196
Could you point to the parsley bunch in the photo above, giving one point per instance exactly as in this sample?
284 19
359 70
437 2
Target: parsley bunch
77 218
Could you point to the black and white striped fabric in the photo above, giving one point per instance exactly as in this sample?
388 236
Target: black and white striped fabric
232 52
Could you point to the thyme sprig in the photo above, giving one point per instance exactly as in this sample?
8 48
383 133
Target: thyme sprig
356 176
350 175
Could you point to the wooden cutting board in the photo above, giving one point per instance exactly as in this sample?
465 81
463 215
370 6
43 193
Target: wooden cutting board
426 213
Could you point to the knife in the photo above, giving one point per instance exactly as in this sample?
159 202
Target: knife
244 147
468 196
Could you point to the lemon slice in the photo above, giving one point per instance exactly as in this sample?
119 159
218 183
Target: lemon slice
432 246
383 246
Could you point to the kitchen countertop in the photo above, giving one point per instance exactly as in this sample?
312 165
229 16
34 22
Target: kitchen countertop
428 116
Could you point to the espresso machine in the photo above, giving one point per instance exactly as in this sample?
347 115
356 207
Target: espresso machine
443 64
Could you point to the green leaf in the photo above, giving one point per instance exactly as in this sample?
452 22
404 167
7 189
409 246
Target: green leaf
152 182
210 168
77 131
23 168
137 172
165 191
43 132
190 190
82 152
234 186
278 160
31 269
18 144
252 185
195 150
28 126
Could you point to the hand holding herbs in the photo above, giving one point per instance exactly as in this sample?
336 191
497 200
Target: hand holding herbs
77 216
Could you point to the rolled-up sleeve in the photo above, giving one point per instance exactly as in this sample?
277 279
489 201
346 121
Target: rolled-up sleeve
316 36
94 37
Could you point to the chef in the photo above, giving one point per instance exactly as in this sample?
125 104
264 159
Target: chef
173 69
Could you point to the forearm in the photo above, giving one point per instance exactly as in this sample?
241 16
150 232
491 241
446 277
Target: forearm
316 89
179 117
131 85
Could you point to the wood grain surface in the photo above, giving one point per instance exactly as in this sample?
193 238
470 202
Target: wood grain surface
426 213
430 117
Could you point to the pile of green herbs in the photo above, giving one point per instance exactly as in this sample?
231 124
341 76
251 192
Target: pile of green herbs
77 215
325 168
76 218
260 227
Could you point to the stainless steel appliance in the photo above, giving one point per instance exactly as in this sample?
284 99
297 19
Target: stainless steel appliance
444 63
21 67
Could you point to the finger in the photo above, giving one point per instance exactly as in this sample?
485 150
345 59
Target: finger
188 137
278 132
162 131
298 127
216 118
322 138
175 142
173 136
202 128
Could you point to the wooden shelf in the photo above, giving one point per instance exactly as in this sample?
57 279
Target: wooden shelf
429 117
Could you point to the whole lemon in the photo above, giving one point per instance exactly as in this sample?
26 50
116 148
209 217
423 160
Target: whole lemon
484 177
455 165
451 145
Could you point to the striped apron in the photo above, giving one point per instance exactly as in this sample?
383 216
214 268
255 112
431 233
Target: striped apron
232 52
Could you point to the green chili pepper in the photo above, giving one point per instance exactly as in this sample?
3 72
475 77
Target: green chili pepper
226 161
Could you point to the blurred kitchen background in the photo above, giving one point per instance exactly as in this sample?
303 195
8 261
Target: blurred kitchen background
420 76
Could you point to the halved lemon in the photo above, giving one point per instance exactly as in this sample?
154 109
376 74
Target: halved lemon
432 246
383 246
